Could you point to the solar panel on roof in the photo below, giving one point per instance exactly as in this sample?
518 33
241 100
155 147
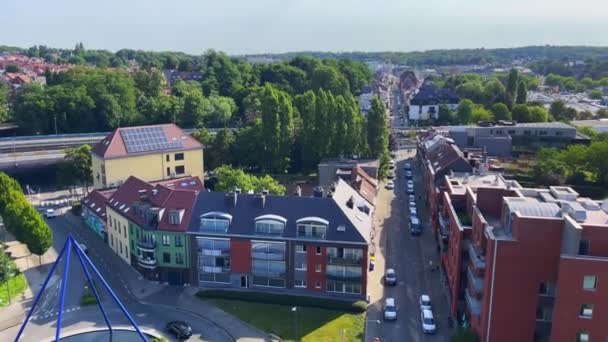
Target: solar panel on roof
144 139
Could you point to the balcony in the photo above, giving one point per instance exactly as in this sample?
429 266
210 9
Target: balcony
476 283
146 246
337 260
477 259
473 304
147 263
444 225
345 278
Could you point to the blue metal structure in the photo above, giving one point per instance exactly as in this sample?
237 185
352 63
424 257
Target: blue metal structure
69 246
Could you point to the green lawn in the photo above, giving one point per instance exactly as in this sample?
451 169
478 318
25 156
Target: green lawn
17 286
313 324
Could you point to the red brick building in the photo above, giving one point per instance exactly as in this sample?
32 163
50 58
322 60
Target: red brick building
524 264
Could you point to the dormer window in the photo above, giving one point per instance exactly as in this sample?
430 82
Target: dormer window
312 227
270 224
216 222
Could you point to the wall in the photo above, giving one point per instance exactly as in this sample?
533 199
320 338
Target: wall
96 168
118 234
153 167
172 249
598 237
520 268
571 295
240 256
313 259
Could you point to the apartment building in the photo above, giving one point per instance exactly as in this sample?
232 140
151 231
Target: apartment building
425 103
151 153
291 244
524 264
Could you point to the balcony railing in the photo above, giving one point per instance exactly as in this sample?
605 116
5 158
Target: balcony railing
473 304
478 260
344 277
475 282
444 224
355 260
148 263
148 246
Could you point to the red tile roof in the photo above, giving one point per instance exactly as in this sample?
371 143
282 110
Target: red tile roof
96 201
113 145
364 184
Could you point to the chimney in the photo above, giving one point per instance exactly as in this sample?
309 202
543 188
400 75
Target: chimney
265 192
298 191
261 199
351 202
231 198
318 191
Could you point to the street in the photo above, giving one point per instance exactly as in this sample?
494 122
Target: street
158 309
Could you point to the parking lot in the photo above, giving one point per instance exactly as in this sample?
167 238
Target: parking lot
415 260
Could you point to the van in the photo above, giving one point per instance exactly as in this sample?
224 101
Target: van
390 309
415 226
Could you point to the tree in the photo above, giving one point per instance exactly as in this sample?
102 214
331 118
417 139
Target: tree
464 335
80 160
548 170
512 83
558 110
602 113
4 91
521 113
277 128
446 115
598 155
500 111
494 92
596 94
465 111
522 93
221 111
328 78
377 130
228 178
220 152
479 113
538 114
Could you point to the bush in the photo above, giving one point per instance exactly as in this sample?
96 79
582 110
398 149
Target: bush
280 299
88 299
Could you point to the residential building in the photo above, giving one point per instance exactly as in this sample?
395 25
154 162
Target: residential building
172 76
151 153
524 264
288 244
425 104
505 138
328 168
94 211
598 125
359 180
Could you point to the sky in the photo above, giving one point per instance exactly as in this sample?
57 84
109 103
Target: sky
273 26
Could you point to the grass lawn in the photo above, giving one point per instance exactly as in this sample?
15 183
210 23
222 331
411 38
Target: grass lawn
17 286
313 324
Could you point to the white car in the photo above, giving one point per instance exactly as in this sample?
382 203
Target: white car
392 163
50 213
410 189
427 321
408 174
412 204
412 198
390 185
390 309
425 302
413 211
410 183
408 166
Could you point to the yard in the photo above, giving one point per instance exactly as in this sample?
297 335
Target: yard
306 323
17 285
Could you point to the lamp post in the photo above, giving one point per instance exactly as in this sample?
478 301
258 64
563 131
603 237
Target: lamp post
365 328
9 275
295 315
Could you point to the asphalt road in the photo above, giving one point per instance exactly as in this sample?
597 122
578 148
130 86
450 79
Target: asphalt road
148 316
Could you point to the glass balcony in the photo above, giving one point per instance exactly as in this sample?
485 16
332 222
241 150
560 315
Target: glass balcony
146 246
148 263
473 304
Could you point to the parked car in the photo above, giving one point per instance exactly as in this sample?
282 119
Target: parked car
411 198
410 183
425 302
408 166
391 175
408 174
427 321
390 309
412 204
410 189
50 213
415 226
413 211
84 248
390 277
180 329
390 185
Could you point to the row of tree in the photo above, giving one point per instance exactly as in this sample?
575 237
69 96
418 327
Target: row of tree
228 178
21 219
469 113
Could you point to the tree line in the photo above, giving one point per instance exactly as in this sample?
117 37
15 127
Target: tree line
21 219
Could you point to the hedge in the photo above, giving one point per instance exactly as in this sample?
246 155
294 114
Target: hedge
281 299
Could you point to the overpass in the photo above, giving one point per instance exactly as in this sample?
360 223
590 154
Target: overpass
27 151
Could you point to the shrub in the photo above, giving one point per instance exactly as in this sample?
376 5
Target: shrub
280 299
88 299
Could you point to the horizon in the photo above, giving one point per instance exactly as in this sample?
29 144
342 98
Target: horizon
274 27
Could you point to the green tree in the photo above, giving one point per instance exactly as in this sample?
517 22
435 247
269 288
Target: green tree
596 94
150 83
228 178
522 93
277 128
328 78
602 113
548 169
500 111
521 113
4 91
479 113
598 155
465 111
446 115
512 83
220 152
538 114
247 151
306 107
493 92
464 335
77 166
377 130
222 109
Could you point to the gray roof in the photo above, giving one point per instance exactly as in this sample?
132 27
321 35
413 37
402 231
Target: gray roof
555 124
533 208
357 224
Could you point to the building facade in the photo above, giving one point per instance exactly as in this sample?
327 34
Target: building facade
426 102
291 244
524 264
151 153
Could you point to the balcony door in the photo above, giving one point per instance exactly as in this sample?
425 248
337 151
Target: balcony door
245 281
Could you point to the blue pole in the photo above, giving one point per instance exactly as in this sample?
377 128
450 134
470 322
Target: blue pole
86 273
64 280
39 295
122 308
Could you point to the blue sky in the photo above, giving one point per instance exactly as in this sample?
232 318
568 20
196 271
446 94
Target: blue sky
258 26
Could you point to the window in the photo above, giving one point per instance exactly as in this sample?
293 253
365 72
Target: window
178 241
213 260
174 218
586 311
179 258
215 222
312 227
302 266
132 245
112 240
499 131
180 170
559 134
166 240
511 132
590 282
318 250
270 227
582 336
168 157
166 257
179 156
299 283
124 229
168 172
318 268
268 263
583 247
300 248
342 287
546 289
353 255
544 313
527 132
120 244
317 285
119 230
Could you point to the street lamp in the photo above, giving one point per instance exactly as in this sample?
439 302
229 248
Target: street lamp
295 313
8 274
365 328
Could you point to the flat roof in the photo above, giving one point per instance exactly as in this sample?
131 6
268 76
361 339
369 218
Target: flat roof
459 181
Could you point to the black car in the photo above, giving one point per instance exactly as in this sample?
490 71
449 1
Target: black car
180 329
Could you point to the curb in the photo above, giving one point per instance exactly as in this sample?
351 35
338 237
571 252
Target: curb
196 314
